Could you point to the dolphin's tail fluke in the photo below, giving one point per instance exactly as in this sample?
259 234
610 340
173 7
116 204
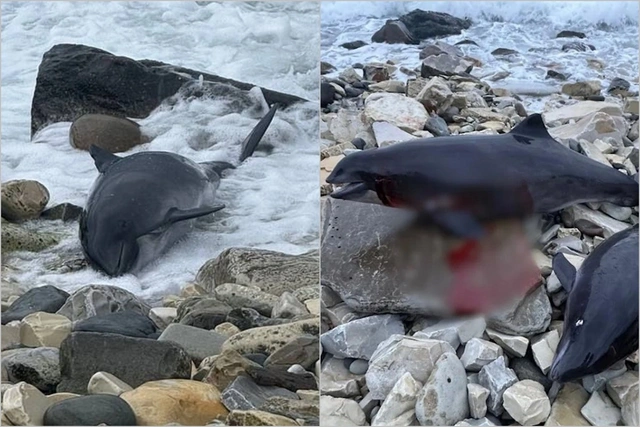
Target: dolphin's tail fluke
251 142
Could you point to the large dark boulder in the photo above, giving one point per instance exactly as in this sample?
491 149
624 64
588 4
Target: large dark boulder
44 298
133 360
74 80
127 323
90 411
424 25
394 32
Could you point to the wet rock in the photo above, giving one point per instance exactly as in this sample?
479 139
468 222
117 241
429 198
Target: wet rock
42 329
46 299
444 65
400 403
591 222
526 369
512 344
543 348
619 86
184 402
530 316
128 323
288 306
269 339
244 394
580 110
429 24
39 367
527 402
601 411
443 400
502 51
496 377
301 350
239 296
23 199
401 354
630 408
569 33
327 94
405 113
280 377
565 410
258 418
326 68
113 134
341 412
64 212
394 32
551 74
198 343
105 383
133 360
271 272
577 47
478 353
354 45
477 396
90 411
94 300
360 338
24 405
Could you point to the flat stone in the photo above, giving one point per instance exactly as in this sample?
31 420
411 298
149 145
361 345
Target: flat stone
580 110
405 113
630 407
544 348
527 402
313 306
619 387
565 410
227 329
44 330
443 400
94 300
308 411
133 360
198 343
341 412
582 89
288 307
23 199
105 383
18 238
302 350
444 65
46 299
24 405
601 411
621 213
388 134
447 333
10 335
258 418
399 355
240 296
496 377
39 367
389 86
477 396
63 211
514 345
597 220
400 402
244 394
163 316
530 316
360 338
184 402
128 323
478 353
90 411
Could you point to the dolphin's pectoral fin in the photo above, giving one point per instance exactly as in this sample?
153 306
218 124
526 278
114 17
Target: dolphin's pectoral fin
251 142
102 158
565 271
460 224
175 215
214 169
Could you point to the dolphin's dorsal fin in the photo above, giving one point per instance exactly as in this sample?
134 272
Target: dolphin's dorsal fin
251 142
533 127
102 158
565 271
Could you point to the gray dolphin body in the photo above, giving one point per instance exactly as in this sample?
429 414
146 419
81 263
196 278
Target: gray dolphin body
601 316
140 205
459 181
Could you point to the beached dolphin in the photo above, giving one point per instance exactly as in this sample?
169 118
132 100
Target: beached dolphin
601 316
457 182
140 205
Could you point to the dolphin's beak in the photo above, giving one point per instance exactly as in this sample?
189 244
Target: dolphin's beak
119 260
357 192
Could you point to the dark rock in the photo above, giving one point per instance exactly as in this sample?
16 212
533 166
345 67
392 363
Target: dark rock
353 92
326 68
128 323
444 65
279 377
354 45
107 84
359 143
551 74
618 85
327 94
259 358
63 211
424 25
569 33
376 72
449 114
598 98
39 367
467 41
44 298
90 410
394 32
248 318
294 409
94 300
133 360
302 350
577 46
526 369
440 47
437 126
504 51
199 343
202 312
244 394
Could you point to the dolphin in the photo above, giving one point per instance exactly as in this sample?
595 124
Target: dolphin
601 316
457 182
140 205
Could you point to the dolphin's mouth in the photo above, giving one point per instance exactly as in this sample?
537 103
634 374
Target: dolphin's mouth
350 190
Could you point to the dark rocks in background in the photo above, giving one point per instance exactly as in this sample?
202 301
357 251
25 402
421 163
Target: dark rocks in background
394 32
354 45
63 211
551 74
569 33
427 24
326 68
44 298
467 41
502 51
577 46
127 323
90 411
619 86
327 94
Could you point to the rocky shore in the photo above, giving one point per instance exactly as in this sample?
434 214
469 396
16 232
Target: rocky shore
408 369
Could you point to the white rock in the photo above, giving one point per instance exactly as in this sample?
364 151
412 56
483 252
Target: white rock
336 380
288 306
448 333
591 151
544 348
347 124
437 93
621 213
478 353
24 405
475 423
105 383
337 411
601 411
399 110
10 335
400 401
443 400
514 345
44 329
630 408
163 316
477 396
465 328
590 128
527 402
388 134
226 328
313 305
609 225
580 110
619 387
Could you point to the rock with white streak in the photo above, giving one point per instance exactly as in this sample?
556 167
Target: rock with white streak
619 387
630 408
399 110
163 316
24 405
484 421
529 316
341 412
401 354
565 410
360 338
478 353
580 110
443 400
595 219
44 329
544 348
496 377
514 345
527 403
597 125
477 396
400 403
448 333
388 134
601 411
105 383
